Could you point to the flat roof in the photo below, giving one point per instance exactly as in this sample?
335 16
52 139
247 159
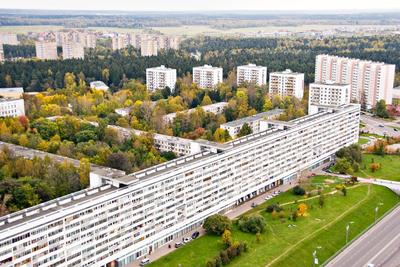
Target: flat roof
252 66
255 117
287 71
327 83
12 90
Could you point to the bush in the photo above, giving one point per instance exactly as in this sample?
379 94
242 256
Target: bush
273 207
216 224
254 223
299 191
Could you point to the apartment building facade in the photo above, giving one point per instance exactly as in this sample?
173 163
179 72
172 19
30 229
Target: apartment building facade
10 107
369 81
9 38
119 41
251 74
286 83
148 46
327 95
207 76
72 49
46 50
160 78
127 217
2 58
216 108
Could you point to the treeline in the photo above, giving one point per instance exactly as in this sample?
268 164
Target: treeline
28 182
297 54
19 51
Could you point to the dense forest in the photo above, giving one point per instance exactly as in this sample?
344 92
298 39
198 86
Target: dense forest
115 68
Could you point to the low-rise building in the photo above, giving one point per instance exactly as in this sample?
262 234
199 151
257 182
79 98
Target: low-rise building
207 76
10 107
12 92
252 74
98 85
233 127
329 94
286 83
216 108
160 78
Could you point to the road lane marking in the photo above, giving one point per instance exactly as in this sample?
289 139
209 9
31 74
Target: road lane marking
384 248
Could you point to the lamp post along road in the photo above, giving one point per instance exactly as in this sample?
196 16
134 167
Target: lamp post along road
347 231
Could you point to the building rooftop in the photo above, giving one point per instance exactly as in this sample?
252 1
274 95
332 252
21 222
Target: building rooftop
207 67
9 99
360 60
12 90
252 66
255 117
333 83
98 84
288 72
162 67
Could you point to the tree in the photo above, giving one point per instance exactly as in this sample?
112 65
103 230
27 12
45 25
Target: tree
254 223
119 161
302 209
380 109
105 75
227 238
258 237
273 207
294 215
206 100
374 167
216 224
344 191
298 190
321 200
343 166
84 172
245 130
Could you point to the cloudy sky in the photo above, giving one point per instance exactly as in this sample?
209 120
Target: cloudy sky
202 5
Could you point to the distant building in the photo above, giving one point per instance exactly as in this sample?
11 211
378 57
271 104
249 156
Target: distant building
252 74
329 94
99 85
207 77
46 50
135 40
286 83
216 108
160 77
148 46
10 107
119 41
233 127
2 58
90 40
72 49
12 92
396 93
369 81
9 38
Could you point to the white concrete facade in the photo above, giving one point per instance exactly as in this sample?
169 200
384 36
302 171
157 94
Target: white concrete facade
216 108
369 81
108 225
9 38
327 94
251 74
46 50
119 41
286 83
160 78
99 85
2 58
148 46
11 107
72 49
207 77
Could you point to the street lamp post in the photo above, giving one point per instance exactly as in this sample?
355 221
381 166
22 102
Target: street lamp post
347 231
314 254
376 211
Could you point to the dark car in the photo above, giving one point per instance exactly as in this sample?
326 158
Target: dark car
195 235
178 245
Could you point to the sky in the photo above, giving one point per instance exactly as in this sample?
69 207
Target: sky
202 5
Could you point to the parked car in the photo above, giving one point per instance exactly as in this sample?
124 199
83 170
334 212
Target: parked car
178 244
394 129
195 235
253 205
268 197
144 262
381 125
186 240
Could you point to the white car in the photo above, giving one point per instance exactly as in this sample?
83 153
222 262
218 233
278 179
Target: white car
186 240
144 262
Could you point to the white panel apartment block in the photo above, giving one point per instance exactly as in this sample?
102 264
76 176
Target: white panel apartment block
160 77
251 74
207 77
118 225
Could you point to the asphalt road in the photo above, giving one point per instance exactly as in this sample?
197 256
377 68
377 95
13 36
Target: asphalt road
379 126
379 247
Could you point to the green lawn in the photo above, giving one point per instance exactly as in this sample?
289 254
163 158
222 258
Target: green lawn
390 167
371 135
282 245
362 141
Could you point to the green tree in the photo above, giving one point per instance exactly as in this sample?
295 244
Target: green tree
343 166
254 223
216 224
226 238
380 109
245 130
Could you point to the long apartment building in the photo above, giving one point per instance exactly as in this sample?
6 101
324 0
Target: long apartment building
120 219
327 95
119 41
286 83
369 81
207 77
9 38
160 78
46 50
251 74
233 127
